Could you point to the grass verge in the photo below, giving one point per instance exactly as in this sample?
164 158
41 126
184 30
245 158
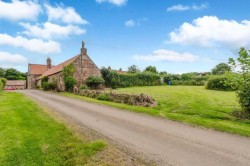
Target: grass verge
29 136
193 105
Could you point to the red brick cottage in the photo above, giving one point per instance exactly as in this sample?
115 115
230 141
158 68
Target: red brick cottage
84 67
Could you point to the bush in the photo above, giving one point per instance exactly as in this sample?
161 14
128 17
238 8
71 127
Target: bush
94 82
218 83
69 82
45 86
243 94
2 83
49 86
241 79
103 96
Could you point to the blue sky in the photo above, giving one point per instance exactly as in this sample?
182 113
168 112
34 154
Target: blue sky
175 36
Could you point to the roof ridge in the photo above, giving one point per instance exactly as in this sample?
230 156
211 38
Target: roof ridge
58 68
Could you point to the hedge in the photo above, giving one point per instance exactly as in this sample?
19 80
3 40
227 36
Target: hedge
115 80
185 79
218 83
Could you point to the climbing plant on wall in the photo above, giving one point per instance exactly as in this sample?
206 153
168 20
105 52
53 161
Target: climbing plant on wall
68 78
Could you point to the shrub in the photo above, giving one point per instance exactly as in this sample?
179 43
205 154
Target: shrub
83 87
243 94
94 82
43 80
241 79
49 86
218 83
2 83
45 86
103 96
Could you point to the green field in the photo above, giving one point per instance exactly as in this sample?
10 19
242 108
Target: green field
29 136
189 104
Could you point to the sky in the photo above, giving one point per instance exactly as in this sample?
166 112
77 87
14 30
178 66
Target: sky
176 36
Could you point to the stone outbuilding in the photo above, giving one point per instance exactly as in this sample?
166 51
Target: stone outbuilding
15 84
84 67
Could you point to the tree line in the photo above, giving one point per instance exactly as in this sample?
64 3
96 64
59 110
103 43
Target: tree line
12 74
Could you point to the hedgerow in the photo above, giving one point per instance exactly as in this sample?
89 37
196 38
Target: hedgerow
218 83
115 80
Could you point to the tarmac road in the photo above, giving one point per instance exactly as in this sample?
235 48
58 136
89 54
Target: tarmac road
162 140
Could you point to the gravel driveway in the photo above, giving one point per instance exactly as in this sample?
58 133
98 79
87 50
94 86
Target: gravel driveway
162 140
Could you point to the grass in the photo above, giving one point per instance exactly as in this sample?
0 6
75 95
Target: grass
189 104
29 136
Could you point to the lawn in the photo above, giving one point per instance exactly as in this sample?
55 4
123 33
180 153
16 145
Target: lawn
30 136
193 105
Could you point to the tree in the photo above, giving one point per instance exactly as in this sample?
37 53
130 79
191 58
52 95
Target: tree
151 69
133 69
163 73
13 74
2 72
240 78
220 69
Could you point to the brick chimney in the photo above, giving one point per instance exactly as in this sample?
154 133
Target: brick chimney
48 63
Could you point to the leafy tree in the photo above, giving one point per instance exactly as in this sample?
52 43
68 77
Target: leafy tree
163 73
13 74
240 78
133 69
220 69
2 72
151 69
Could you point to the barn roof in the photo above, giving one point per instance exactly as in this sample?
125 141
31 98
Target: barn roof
15 82
37 69
58 68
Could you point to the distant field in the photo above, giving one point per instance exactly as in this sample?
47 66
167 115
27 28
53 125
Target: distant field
29 136
189 104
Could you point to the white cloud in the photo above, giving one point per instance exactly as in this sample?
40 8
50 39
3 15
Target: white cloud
180 7
49 30
209 31
7 58
19 10
167 55
114 2
66 15
34 45
130 23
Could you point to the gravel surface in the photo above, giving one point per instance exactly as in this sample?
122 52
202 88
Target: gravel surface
164 141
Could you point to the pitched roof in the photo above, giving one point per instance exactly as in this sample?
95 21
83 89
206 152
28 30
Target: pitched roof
58 68
37 69
15 82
